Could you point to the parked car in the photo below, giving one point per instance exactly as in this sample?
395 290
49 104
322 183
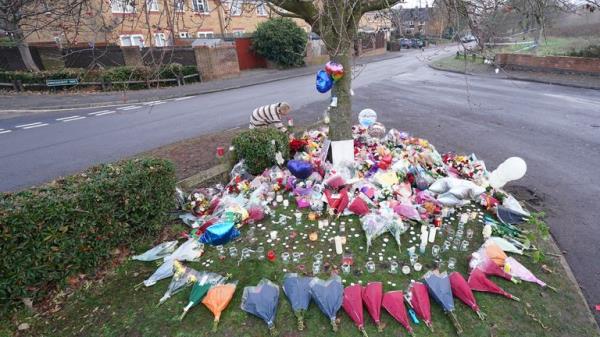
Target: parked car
405 43
417 43
468 38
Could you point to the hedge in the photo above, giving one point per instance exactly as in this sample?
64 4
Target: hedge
258 148
114 74
72 225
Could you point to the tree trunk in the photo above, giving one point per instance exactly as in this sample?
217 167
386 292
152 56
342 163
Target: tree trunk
340 127
23 48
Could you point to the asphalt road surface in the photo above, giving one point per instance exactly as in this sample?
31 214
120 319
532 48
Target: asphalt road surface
555 129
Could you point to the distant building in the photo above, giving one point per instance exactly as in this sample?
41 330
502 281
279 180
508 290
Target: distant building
375 21
147 23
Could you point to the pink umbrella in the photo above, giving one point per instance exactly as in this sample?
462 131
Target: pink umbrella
353 306
461 289
393 302
516 269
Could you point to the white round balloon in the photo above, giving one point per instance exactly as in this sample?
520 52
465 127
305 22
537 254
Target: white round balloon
367 117
513 168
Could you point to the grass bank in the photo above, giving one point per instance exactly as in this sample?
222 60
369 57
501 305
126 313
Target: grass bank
111 307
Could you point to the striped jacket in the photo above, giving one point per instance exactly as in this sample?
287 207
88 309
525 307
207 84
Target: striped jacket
267 115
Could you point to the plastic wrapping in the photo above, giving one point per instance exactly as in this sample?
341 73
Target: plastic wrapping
220 233
328 295
373 225
261 300
158 252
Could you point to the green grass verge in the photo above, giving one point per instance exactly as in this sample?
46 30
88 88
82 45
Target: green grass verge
114 308
554 46
461 64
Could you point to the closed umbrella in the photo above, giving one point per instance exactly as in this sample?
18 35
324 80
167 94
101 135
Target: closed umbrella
516 269
479 282
217 299
419 299
441 291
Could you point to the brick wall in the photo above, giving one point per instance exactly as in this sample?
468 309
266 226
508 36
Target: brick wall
132 56
217 62
559 64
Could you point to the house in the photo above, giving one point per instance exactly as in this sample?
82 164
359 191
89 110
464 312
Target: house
375 21
157 23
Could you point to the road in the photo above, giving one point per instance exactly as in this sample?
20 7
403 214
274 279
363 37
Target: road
555 129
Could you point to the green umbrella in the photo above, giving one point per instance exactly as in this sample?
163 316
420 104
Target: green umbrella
199 290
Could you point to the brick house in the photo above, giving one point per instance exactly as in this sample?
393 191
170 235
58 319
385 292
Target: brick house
158 23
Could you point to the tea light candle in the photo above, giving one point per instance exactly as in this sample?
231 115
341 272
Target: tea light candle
273 235
406 270
279 198
286 203
418 266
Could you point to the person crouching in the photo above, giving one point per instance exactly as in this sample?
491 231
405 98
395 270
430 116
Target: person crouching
270 115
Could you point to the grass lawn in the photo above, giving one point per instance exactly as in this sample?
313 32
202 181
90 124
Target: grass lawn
462 64
554 46
114 308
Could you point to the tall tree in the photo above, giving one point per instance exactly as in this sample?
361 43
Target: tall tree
20 18
336 22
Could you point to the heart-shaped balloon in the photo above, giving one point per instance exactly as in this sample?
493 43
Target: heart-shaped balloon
335 70
324 81
300 169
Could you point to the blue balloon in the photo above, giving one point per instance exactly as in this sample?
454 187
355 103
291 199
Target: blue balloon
300 168
324 81
220 233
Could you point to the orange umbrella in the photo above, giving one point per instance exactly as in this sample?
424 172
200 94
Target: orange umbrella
495 253
217 299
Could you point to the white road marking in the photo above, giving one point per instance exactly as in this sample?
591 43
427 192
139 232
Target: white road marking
105 113
26 125
74 119
35 126
5 131
130 107
65 118
182 98
99 112
154 103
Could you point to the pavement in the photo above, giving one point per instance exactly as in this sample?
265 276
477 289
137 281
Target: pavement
13 103
556 129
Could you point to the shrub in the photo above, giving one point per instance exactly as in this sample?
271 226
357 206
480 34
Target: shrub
258 148
281 41
70 226
589 51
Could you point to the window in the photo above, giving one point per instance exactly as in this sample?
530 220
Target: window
152 5
200 6
205 35
238 32
160 40
132 40
122 6
261 9
235 7
184 35
179 5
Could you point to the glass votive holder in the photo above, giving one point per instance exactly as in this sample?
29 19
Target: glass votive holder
450 238
316 268
435 250
446 246
221 251
470 233
418 266
318 258
451 263
405 270
345 268
285 257
233 252
413 259
296 257
459 234
394 267
370 267
246 253
464 246
348 258
273 235
298 216
260 253
450 231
